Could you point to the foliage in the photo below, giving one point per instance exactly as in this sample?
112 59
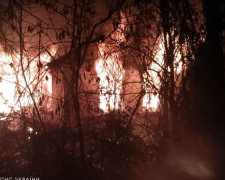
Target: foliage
153 49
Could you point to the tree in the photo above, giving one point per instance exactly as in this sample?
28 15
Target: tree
80 30
148 52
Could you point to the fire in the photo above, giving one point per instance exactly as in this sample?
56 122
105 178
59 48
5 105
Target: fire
151 98
47 81
14 92
7 83
110 73
110 70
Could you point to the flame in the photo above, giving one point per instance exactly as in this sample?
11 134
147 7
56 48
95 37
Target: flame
151 99
110 72
7 83
13 91
47 81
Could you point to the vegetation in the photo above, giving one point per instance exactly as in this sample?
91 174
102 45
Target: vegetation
172 51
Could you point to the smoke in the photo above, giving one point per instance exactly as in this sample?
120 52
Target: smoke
194 159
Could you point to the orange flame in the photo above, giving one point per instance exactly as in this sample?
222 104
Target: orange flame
110 71
13 91
150 99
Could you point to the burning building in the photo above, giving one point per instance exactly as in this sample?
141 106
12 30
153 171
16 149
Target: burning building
109 80
118 66
89 80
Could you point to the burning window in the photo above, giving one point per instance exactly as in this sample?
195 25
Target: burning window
110 73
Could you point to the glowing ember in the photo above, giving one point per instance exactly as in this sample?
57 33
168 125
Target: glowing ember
30 130
110 72
14 92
